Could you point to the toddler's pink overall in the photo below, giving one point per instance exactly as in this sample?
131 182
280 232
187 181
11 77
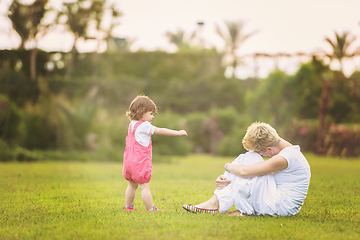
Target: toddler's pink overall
137 159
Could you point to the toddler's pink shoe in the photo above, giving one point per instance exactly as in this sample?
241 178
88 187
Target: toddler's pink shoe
130 208
154 209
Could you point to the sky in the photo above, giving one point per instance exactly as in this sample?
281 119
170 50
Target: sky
282 25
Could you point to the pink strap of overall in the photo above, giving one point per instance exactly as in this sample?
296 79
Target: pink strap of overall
133 129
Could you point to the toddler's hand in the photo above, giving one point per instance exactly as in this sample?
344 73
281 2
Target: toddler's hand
182 133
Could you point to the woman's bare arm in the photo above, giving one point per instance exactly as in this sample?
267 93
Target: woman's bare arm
274 164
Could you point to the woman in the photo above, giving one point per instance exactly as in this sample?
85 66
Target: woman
277 186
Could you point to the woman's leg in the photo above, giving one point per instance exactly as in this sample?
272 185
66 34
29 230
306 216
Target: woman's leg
146 195
130 193
212 203
222 200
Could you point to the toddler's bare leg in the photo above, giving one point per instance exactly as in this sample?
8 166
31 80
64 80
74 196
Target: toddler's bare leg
146 195
130 193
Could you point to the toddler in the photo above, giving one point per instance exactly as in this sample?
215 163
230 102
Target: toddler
138 151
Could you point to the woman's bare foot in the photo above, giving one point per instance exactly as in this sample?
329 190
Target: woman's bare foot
212 203
236 213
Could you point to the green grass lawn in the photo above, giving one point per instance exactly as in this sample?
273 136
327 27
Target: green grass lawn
71 200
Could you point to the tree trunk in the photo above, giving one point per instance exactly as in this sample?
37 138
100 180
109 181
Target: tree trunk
33 54
320 145
70 67
234 65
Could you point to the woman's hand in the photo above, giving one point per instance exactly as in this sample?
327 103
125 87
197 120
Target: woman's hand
221 182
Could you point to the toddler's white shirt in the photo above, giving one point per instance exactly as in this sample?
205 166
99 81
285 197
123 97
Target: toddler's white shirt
143 132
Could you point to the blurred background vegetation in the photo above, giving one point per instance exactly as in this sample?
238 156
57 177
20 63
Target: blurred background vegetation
71 105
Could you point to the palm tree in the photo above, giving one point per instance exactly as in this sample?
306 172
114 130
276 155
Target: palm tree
115 44
26 20
341 47
76 20
179 39
79 16
234 37
324 74
99 9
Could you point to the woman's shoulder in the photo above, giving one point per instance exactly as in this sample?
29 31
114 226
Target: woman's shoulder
294 156
292 148
290 151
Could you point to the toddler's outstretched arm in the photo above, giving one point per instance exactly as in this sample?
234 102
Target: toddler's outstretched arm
169 132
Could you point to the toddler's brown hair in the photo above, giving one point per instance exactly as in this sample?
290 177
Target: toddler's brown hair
139 106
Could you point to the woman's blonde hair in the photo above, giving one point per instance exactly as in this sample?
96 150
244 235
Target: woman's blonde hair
139 106
259 136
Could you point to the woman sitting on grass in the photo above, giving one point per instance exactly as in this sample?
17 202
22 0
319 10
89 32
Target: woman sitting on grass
277 186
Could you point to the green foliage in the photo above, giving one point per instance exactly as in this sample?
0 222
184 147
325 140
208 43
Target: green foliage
306 93
230 128
199 134
9 121
72 200
231 144
23 155
79 121
185 97
302 133
40 121
5 154
217 131
226 119
111 131
156 67
343 100
203 95
17 153
39 131
101 155
166 145
18 88
271 100
343 141
216 110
